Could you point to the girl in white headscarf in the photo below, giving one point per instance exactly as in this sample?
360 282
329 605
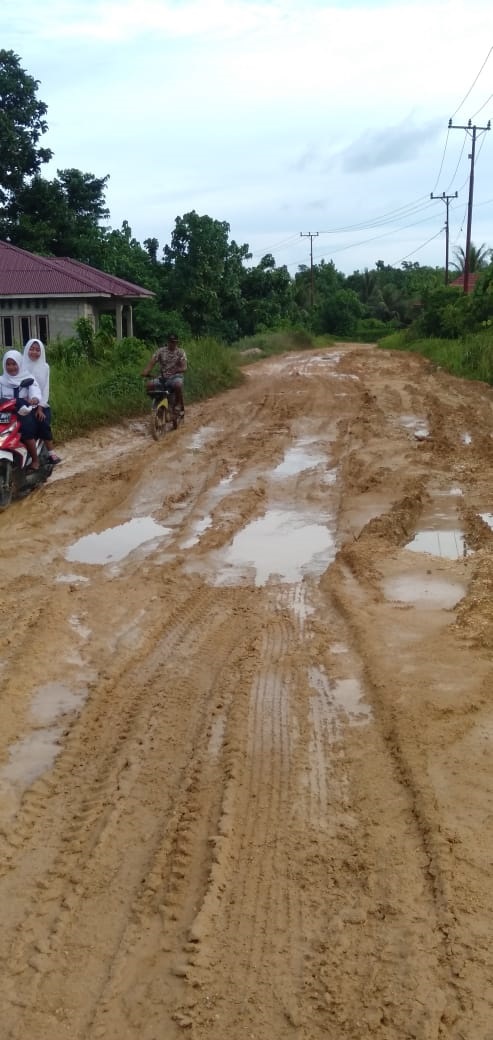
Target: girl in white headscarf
10 387
34 361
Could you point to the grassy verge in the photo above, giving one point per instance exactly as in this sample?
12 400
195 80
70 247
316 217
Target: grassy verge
265 344
470 357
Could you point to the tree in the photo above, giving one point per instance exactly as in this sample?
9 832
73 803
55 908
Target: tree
22 124
202 272
479 258
60 217
267 295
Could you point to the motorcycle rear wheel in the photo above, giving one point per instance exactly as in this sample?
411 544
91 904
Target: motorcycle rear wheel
6 486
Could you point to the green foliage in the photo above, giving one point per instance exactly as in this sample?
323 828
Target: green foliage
470 357
203 275
22 124
279 342
338 312
479 258
450 313
369 330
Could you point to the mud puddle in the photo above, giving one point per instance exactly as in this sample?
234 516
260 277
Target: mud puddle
283 544
113 544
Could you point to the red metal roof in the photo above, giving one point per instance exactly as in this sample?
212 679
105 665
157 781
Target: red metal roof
26 274
459 282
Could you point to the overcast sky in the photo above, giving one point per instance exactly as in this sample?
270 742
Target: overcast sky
277 116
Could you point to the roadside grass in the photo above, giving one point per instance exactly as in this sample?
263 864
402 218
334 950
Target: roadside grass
265 344
470 357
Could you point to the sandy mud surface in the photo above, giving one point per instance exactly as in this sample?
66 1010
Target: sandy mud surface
246 718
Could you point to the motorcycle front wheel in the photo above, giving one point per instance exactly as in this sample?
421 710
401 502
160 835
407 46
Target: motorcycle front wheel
158 422
6 487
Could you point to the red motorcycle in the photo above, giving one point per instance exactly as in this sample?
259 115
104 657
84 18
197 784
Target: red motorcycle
15 481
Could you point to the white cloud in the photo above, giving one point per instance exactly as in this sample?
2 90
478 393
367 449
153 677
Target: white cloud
270 115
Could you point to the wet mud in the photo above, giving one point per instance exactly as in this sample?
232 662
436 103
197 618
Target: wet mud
246 718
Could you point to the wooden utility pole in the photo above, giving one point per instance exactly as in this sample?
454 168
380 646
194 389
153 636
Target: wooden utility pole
311 235
473 131
446 199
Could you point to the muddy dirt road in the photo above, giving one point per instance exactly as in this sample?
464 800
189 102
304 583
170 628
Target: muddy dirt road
246 718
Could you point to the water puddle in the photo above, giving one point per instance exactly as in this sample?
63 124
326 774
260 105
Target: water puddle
296 598
341 697
82 630
216 737
115 543
466 438
52 700
198 529
424 590
298 459
200 438
418 427
72 579
449 544
30 757
282 544
34 754
488 519
330 477
439 534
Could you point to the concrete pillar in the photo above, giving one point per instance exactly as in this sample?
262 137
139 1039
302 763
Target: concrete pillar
119 323
130 322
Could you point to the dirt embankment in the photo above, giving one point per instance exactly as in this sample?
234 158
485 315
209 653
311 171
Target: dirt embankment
246 718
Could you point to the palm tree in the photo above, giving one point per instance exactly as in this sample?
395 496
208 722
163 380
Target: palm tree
479 258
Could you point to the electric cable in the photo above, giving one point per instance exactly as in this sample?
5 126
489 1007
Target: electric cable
473 84
397 263
482 106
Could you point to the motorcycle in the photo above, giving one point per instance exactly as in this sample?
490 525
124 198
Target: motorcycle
15 481
165 413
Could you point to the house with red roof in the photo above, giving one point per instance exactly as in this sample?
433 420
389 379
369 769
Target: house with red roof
471 282
45 296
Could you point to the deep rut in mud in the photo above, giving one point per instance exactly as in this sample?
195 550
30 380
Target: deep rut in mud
246 718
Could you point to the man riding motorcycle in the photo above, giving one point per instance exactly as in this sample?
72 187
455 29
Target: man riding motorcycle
172 361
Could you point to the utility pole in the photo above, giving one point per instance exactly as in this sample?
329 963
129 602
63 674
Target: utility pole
446 199
311 235
473 131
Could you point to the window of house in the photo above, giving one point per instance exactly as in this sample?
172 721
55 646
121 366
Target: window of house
42 327
8 332
25 324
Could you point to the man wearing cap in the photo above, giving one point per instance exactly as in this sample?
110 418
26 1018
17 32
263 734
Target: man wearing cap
172 361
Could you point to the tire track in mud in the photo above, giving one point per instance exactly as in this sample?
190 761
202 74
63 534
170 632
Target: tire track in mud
93 832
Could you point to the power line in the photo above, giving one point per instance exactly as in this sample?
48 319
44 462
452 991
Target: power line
384 218
277 245
374 238
473 84
452 179
482 106
418 248
443 157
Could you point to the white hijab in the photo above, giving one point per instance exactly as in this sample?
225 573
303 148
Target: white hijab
11 383
39 369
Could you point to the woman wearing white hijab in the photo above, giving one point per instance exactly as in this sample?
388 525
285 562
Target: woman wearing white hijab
34 361
10 387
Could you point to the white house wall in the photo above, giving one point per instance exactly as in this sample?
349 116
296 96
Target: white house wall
61 317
